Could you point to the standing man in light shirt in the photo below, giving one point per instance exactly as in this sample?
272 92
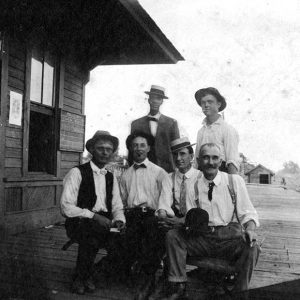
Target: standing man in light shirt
141 187
92 205
215 199
162 128
181 192
216 130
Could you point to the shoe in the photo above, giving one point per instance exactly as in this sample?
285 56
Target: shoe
89 286
177 291
145 288
78 286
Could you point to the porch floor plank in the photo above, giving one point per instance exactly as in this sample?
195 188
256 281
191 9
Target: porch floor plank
33 266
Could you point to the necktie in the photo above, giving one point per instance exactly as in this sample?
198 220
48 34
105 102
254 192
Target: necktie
210 190
152 119
136 166
182 198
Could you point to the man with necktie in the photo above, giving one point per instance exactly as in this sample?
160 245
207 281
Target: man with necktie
181 192
91 203
142 186
216 200
163 129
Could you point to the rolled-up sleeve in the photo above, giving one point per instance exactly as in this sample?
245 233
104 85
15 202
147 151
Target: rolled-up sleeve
245 208
231 142
117 204
166 198
68 200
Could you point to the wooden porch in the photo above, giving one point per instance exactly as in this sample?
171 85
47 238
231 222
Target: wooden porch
33 266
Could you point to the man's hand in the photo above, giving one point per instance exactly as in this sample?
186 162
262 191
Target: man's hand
170 223
250 234
120 225
161 214
103 221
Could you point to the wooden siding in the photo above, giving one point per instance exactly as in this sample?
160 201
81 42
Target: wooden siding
254 176
73 90
13 134
68 161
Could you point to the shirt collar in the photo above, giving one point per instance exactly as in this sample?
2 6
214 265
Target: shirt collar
188 174
157 116
97 170
145 162
216 180
217 122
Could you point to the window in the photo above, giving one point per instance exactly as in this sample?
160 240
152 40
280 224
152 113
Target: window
41 148
42 78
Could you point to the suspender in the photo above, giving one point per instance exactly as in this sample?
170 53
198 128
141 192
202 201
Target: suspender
231 192
233 197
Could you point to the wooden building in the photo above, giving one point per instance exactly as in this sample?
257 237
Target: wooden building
260 174
47 51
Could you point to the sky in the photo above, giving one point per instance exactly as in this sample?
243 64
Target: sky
248 50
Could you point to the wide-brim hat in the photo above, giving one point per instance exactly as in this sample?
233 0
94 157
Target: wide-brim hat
210 91
132 136
157 90
105 135
180 143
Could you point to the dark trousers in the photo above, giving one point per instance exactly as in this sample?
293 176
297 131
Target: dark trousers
90 236
235 250
144 241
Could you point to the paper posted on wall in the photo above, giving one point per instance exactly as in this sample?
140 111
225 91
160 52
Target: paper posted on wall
15 108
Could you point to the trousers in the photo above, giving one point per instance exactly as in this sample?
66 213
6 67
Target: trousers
144 241
236 251
90 236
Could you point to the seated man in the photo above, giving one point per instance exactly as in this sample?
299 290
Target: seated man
180 187
215 199
141 186
92 205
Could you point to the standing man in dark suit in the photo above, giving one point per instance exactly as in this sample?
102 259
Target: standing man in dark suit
164 130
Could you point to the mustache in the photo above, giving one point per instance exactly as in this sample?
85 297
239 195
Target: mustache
210 166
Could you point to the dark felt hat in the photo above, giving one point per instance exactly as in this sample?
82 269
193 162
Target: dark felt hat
157 90
196 221
105 135
131 137
210 91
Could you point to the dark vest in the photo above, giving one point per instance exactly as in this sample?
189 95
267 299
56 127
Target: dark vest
87 192
87 197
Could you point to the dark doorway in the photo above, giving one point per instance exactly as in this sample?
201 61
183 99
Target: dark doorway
264 178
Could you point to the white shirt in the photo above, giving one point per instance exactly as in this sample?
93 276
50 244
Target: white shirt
153 124
144 186
71 184
222 134
220 208
191 178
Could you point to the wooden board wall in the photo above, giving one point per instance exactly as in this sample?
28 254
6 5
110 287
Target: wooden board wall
27 199
13 134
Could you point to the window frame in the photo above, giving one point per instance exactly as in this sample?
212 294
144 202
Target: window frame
44 109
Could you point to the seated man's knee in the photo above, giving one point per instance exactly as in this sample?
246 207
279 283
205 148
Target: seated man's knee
172 235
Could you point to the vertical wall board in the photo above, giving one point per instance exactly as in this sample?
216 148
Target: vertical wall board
3 110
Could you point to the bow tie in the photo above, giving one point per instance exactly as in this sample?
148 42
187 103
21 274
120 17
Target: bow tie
101 171
152 119
136 166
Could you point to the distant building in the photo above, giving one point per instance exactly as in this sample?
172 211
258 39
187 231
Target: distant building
259 174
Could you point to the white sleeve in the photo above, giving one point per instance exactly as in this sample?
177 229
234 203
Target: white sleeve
117 204
166 198
245 208
68 200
